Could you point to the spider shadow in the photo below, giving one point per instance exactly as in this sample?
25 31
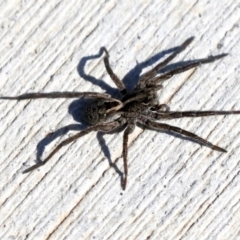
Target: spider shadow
98 82
74 110
131 79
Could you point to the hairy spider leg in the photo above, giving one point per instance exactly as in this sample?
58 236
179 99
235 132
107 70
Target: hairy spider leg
193 64
153 72
59 95
112 75
128 131
163 127
159 115
107 127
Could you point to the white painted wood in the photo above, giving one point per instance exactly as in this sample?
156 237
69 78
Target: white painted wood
177 189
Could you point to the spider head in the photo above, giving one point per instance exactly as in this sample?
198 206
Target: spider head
95 112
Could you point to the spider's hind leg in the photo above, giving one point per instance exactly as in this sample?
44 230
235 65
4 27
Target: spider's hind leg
148 75
128 131
166 127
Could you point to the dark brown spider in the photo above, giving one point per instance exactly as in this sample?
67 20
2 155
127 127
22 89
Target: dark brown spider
140 105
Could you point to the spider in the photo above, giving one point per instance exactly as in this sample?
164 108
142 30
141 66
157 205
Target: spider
139 106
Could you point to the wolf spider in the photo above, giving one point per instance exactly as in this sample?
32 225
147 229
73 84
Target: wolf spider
140 105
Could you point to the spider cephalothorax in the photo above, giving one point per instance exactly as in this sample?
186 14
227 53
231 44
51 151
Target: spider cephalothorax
140 105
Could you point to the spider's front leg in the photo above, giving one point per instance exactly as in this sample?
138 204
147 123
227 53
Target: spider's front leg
145 77
104 127
193 64
129 130
58 95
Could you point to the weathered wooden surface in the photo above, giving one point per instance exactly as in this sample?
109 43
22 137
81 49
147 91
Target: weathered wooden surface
177 189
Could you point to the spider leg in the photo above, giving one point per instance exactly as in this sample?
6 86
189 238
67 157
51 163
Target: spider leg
128 131
59 95
113 76
160 108
163 127
107 127
165 76
171 115
145 77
